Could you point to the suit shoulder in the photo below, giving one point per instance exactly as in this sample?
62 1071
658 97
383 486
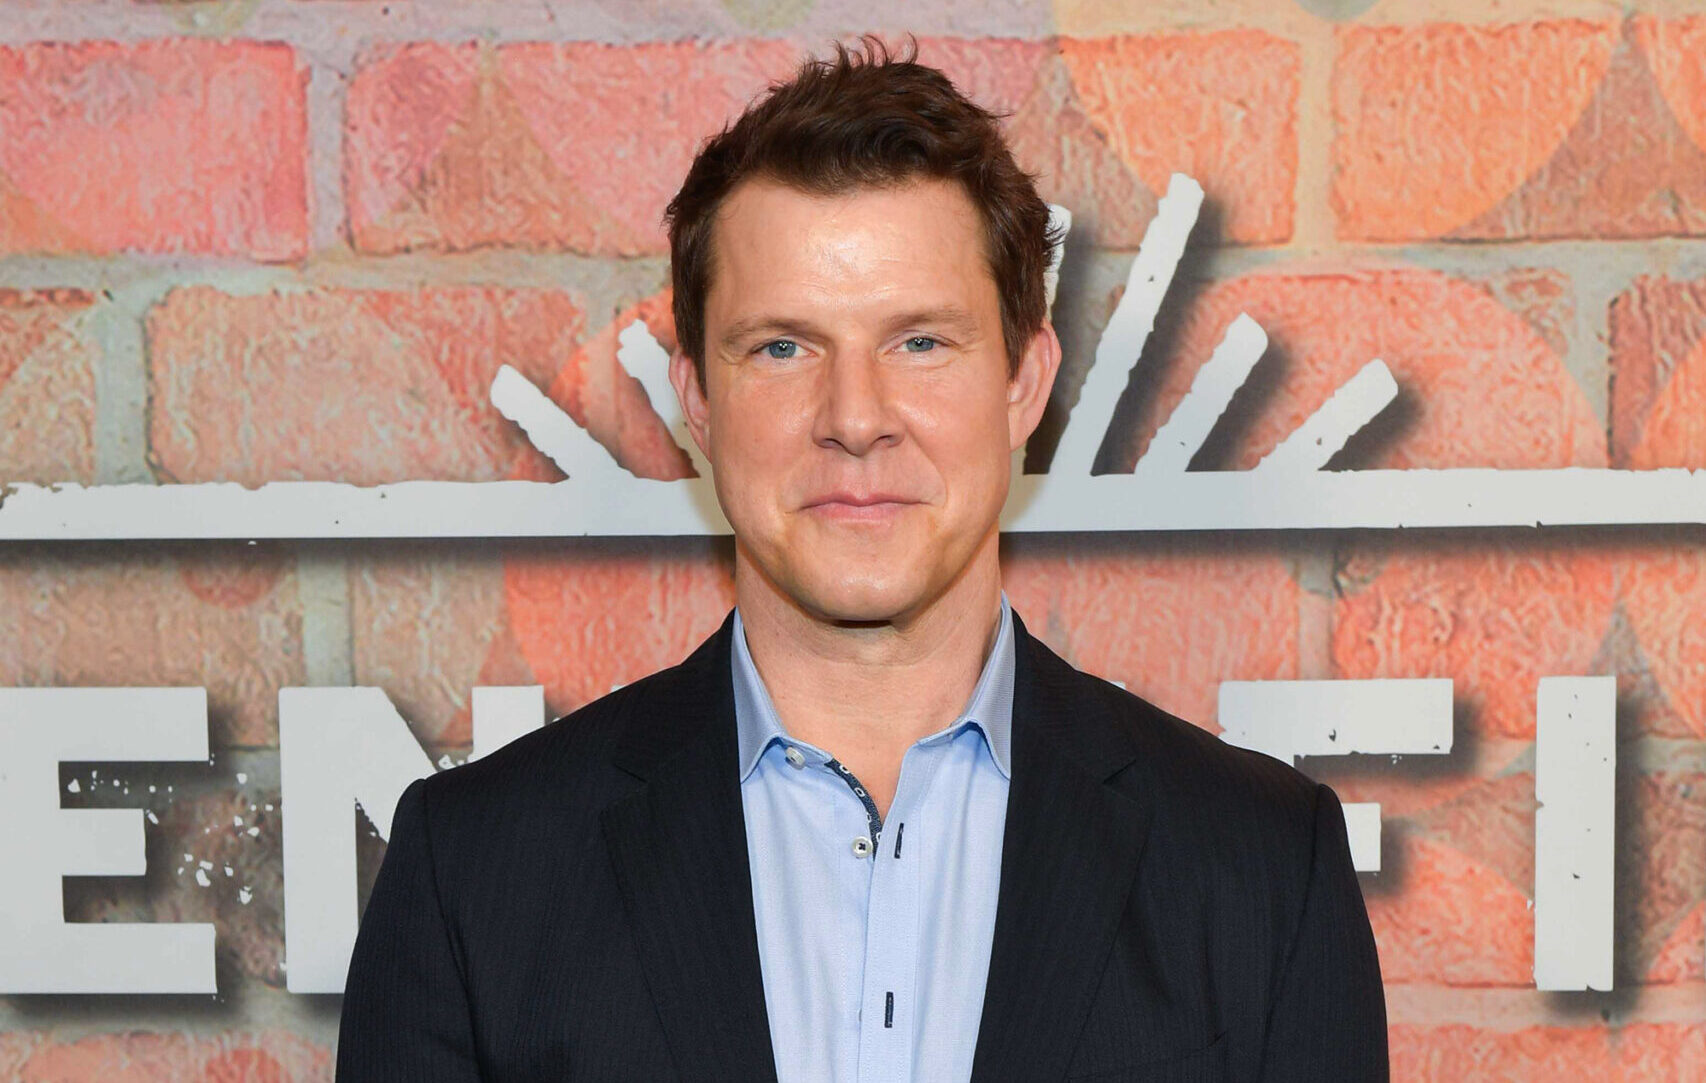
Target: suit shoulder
1211 783
571 754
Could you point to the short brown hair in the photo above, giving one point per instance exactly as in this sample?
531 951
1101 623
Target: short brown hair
866 118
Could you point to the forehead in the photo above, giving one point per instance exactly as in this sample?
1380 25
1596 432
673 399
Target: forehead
909 242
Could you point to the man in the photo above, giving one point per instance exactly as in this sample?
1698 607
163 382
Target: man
872 829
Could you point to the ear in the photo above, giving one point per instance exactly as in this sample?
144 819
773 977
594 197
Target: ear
695 408
1029 387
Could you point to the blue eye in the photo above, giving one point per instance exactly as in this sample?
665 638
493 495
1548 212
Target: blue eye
781 349
921 343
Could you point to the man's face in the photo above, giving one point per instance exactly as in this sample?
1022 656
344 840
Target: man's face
857 411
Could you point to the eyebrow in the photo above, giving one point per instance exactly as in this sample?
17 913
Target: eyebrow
765 325
952 317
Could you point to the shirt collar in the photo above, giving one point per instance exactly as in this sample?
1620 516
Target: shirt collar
989 710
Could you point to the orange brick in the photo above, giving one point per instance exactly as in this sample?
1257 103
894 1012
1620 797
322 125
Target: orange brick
226 617
572 146
583 618
1442 917
1661 587
1658 352
1544 299
429 623
1456 1052
170 145
595 389
1051 133
360 387
1660 1051
1479 844
47 386
1491 823
1632 1052
591 615
1679 958
1218 105
1627 168
1415 784
1493 618
235 1057
15 1049
1480 386
1172 619
1539 129
1662 870
1672 48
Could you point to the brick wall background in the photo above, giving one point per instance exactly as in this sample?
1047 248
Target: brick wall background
214 215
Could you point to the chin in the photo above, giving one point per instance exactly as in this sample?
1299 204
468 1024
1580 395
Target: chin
862 598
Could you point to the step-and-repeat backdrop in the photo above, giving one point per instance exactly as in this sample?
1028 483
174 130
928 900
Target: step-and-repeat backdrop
334 450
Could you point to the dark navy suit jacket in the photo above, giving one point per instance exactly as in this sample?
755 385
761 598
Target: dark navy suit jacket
578 905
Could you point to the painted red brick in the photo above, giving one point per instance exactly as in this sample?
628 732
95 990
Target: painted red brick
596 390
1493 618
224 616
592 614
1627 168
1488 828
168 145
361 387
1661 585
1479 385
1441 917
1171 619
1051 133
1660 1051
1537 129
573 146
1680 957
1658 352
1438 861
1414 785
585 616
1543 297
15 1049
137 1055
47 386
1491 824
1220 105
1634 1051
1663 865
1672 48
1658 395
429 623
1448 1054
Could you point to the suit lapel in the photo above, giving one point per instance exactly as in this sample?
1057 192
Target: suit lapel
1069 858
678 846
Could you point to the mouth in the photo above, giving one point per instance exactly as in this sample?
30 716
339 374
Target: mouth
858 507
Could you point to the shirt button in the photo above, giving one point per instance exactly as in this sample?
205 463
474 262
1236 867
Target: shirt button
795 756
861 847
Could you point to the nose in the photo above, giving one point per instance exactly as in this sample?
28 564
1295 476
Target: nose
855 411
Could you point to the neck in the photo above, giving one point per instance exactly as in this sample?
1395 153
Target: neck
866 691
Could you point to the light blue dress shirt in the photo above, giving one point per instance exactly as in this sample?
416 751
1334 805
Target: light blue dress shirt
874 935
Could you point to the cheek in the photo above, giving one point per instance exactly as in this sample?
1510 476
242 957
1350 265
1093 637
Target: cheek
752 448
966 429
